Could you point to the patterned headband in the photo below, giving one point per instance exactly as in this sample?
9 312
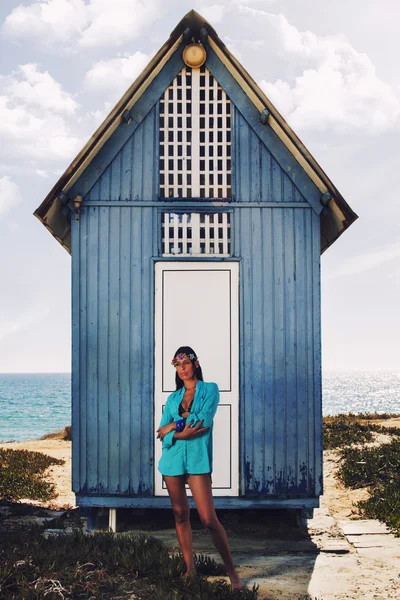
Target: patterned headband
180 356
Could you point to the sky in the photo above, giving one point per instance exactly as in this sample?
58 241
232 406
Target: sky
331 69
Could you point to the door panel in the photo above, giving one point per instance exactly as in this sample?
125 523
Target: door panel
196 304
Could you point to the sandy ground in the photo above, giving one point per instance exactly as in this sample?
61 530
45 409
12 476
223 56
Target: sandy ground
322 564
338 499
59 474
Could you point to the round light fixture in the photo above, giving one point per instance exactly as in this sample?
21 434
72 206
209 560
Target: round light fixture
194 56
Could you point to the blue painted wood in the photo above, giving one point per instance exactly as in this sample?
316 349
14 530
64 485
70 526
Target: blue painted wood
114 325
205 206
256 350
127 166
258 176
112 299
115 245
124 131
255 170
279 359
130 175
268 373
150 164
291 311
316 266
278 412
266 182
136 357
83 342
103 350
147 423
280 441
281 154
302 379
220 503
91 268
75 335
310 349
127 249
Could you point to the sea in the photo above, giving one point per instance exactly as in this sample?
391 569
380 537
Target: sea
32 405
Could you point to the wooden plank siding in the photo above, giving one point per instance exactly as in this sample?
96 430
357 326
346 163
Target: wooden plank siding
257 175
280 394
113 314
133 173
113 356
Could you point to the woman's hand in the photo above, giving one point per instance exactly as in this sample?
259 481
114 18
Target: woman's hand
190 432
162 431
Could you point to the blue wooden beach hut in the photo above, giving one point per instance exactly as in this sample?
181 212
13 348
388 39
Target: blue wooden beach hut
195 216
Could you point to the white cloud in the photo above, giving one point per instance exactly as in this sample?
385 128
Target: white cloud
117 74
42 173
30 134
36 116
365 262
338 90
87 24
9 195
34 87
213 13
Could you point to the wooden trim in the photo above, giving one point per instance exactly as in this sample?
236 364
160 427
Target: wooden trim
221 502
196 206
267 135
118 119
272 121
297 154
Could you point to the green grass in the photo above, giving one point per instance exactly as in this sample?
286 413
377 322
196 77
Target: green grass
103 565
374 467
346 429
377 468
22 475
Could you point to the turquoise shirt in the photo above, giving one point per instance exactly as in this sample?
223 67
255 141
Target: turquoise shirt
192 456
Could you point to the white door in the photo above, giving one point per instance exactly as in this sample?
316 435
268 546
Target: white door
197 305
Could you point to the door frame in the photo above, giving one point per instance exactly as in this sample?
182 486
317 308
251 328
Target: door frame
160 266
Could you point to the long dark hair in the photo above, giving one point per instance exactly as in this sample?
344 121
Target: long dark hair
197 370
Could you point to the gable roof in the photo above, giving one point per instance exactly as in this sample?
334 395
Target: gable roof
335 214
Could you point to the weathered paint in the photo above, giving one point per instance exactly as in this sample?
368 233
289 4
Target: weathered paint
133 172
257 175
115 242
280 351
113 362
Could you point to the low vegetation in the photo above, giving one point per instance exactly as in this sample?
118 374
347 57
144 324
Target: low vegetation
347 429
376 467
22 475
103 565
64 434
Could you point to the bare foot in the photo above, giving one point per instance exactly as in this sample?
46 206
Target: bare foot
236 582
190 573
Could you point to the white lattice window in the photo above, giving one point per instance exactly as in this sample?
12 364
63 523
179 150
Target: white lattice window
196 234
195 138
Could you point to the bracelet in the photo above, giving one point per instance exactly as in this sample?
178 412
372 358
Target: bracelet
180 425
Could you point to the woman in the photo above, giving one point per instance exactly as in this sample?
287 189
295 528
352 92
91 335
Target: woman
186 434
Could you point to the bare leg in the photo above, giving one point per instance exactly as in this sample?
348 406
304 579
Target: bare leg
180 506
200 486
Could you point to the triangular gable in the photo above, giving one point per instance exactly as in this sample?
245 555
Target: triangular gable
185 147
142 96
